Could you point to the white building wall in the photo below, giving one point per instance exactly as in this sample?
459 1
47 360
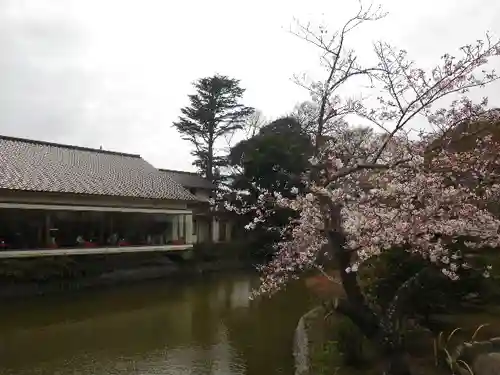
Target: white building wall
215 230
189 229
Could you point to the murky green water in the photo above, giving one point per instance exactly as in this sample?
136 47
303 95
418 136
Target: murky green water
199 327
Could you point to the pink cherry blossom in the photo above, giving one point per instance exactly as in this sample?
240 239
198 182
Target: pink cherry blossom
422 204
423 191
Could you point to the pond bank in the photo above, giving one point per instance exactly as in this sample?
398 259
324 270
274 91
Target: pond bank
47 275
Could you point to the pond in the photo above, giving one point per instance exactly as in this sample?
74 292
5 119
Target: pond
203 326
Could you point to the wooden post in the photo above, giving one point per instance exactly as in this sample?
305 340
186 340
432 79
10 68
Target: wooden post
111 229
182 227
47 229
102 227
40 226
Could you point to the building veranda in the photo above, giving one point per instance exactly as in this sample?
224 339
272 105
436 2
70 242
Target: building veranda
62 200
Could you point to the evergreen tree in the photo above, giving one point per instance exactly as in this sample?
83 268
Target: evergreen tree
214 111
274 159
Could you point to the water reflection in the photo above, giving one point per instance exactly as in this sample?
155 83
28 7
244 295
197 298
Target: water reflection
240 294
199 328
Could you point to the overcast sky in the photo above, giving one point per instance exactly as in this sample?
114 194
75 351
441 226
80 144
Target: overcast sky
116 72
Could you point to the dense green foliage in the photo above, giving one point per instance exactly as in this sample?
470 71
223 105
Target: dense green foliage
435 295
341 346
274 159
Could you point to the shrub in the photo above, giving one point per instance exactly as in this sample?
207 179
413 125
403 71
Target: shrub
386 273
327 360
350 344
352 348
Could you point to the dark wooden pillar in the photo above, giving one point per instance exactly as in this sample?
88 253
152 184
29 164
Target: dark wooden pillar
47 227
102 227
110 226
40 224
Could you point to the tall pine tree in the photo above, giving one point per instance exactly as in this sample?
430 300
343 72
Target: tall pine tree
214 111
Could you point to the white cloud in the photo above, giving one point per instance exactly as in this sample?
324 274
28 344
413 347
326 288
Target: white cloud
116 72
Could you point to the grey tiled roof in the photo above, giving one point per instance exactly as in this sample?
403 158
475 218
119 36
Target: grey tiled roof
189 179
49 167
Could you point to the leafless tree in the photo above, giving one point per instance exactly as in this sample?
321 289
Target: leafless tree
254 123
340 63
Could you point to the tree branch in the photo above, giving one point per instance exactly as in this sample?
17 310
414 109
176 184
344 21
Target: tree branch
405 292
362 166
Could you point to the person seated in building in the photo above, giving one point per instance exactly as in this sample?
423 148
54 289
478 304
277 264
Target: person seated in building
53 242
123 242
113 239
93 238
79 240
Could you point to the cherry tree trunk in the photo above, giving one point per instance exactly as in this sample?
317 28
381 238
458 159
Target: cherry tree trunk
398 364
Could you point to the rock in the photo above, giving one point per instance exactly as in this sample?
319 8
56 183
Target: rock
487 364
482 356
472 350
305 338
458 352
301 348
471 296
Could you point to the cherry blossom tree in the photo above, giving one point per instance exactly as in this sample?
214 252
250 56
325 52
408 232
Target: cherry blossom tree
370 191
341 64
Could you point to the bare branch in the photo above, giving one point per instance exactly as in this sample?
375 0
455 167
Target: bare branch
364 166
341 63
400 78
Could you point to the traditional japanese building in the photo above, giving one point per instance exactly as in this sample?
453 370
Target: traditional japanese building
58 199
204 223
